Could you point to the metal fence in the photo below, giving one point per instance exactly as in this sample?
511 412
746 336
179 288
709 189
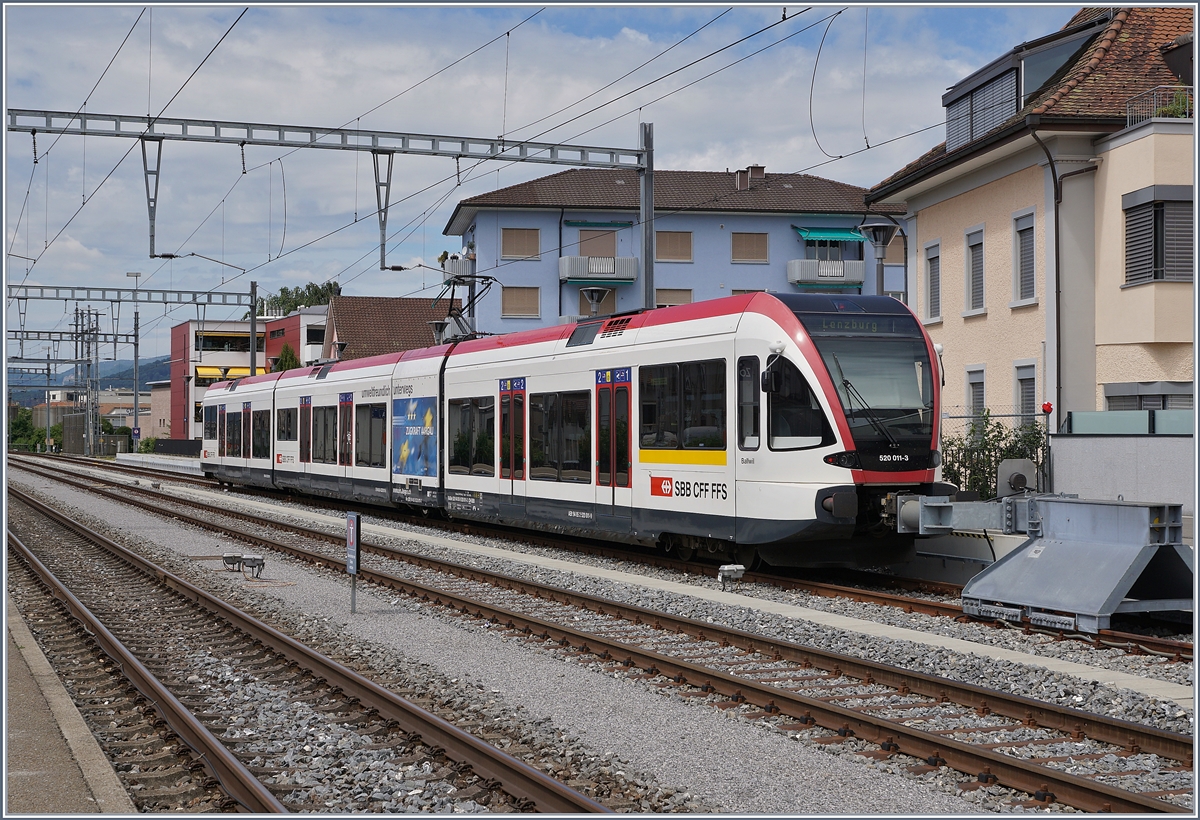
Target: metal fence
1165 101
975 442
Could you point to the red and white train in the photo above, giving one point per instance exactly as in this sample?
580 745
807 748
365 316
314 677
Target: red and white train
760 425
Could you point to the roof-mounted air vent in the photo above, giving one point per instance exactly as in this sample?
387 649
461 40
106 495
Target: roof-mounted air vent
615 327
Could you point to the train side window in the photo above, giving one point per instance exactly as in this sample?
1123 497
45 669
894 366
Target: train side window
247 434
261 433
577 437
560 437
703 404
210 422
233 435
324 438
794 416
369 434
221 432
544 425
660 406
472 424
285 424
305 430
749 409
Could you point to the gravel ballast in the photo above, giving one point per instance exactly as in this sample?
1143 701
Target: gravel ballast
710 775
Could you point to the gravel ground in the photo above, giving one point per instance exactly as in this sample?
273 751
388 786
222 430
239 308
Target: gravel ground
684 755
1028 679
452 646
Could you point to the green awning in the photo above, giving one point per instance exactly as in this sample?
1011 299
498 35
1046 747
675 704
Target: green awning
831 234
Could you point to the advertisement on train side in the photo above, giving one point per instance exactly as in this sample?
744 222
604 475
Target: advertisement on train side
414 436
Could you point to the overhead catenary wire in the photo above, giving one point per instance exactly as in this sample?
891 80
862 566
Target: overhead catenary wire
417 84
136 142
625 75
507 162
57 137
813 84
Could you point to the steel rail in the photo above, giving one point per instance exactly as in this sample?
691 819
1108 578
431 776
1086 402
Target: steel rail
1129 642
234 777
1051 716
516 777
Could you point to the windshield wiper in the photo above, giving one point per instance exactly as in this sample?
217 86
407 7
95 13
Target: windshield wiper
875 421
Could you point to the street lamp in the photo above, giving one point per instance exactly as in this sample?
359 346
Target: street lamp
137 418
880 231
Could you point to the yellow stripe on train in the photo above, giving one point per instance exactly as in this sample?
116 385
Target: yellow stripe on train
717 457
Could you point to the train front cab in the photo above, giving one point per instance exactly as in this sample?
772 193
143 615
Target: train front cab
236 445
871 369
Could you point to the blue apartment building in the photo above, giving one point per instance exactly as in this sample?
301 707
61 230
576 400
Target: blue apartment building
553 242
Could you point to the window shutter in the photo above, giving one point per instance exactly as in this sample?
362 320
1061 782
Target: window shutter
750 247
977 397
673 246
1025 284
1122 402
597 243
1139 244
1179 401
935 286
975 247
666 297
1178 250
519 243
520 302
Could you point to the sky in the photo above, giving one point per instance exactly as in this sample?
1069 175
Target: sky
862 83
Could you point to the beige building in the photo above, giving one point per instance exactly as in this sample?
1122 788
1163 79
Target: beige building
1050 236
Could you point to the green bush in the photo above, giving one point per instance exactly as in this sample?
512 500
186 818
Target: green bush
1180 106
970 459
146 445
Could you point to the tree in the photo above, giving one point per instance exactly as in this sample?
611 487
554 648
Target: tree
20 425
289 299
287 359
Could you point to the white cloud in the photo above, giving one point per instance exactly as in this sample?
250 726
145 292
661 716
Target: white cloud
326 66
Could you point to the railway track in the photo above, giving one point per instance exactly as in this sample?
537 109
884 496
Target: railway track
214 672
990 736
1132 643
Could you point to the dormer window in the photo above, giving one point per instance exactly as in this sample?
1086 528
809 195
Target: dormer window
982 102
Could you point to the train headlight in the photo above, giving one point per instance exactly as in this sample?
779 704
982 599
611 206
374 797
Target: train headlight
849 460
935 459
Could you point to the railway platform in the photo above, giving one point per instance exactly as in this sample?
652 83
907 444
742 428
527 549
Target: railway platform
53 764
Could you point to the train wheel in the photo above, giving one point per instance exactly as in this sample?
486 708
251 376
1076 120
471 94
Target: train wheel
747 556
679 548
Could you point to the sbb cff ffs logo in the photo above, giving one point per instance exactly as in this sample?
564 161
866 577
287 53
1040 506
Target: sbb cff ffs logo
703 490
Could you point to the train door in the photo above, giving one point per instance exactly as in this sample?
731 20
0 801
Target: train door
345 452
512 448
221 431
614 493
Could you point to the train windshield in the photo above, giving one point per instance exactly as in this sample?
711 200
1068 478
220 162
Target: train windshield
880 366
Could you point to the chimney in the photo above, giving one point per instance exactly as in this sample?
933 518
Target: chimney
745 177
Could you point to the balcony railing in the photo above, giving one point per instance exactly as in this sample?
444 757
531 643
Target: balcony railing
462 266
597 268
825 272
1131 422
1166 102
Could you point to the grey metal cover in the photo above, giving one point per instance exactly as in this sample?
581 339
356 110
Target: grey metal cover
1093 559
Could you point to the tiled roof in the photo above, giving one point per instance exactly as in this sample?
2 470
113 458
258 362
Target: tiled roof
1122 61
374 325
617 189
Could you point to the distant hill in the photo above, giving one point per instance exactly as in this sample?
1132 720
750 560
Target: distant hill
150 370
117 373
